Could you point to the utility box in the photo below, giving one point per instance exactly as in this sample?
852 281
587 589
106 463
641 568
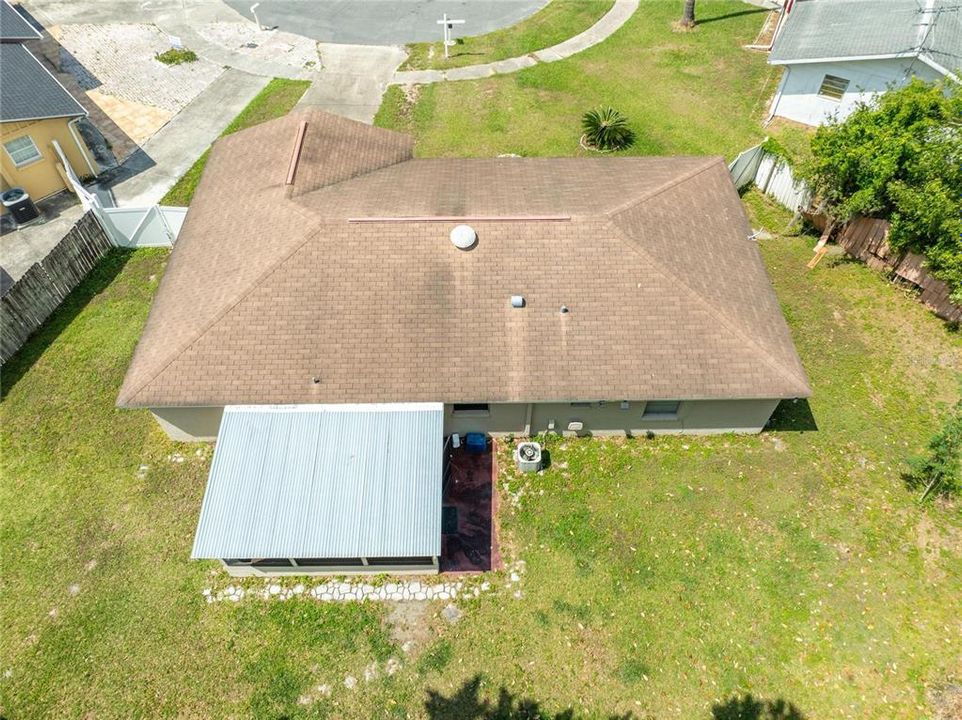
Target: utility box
527 456
21 207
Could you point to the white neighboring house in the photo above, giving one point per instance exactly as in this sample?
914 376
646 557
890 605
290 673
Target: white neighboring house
837 53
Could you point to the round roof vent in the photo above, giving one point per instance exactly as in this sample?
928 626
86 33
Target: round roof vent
463 237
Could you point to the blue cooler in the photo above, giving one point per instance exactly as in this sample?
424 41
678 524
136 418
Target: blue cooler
476 443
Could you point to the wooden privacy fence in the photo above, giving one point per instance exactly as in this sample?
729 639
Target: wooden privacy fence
867 240
34 297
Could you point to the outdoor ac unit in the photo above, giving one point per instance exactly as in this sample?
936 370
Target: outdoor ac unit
528 457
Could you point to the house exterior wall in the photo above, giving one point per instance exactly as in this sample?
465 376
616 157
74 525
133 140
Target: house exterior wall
797 96
45 176
696 417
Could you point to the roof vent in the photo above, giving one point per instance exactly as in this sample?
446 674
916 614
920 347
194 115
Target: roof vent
517 301
463 237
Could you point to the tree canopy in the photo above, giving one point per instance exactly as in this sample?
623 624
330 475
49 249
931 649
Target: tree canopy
900 158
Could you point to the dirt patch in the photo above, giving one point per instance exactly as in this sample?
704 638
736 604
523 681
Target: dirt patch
946 702
410 625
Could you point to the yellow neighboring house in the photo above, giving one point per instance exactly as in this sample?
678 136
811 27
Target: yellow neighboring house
37 115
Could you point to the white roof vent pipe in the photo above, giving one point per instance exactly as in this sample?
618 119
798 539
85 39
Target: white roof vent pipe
463 237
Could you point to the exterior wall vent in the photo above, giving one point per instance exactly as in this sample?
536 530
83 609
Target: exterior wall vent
463 237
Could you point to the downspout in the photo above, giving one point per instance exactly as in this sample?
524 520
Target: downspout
80 147
778 95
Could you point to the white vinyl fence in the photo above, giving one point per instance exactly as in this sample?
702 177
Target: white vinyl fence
772 175
154 226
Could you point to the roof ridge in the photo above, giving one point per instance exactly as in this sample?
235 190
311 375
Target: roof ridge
722 317
667 185
183 347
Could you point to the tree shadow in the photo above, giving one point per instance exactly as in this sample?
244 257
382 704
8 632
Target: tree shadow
728 16
467 704
748 707
95 283
792 416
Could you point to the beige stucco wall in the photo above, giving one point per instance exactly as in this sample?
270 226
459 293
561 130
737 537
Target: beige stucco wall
45 176
600 418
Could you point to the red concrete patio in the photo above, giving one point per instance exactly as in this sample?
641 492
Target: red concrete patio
469 539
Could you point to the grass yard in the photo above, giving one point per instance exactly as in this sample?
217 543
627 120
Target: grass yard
552 24
683 93
274 101
667 578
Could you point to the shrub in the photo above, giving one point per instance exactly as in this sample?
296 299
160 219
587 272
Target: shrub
176 56
607 129
940 469
900 158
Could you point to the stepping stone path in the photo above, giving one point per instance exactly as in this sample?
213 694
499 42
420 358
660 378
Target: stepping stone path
333 591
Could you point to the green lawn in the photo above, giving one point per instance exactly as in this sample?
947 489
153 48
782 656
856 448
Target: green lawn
684 93
704 578
275 100
554 23
663 577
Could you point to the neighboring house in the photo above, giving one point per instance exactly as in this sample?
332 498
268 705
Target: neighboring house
317 293
37 114
837 53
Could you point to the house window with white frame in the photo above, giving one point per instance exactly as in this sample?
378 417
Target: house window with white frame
833 87
22 150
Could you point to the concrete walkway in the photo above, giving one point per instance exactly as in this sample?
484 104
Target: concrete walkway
352 80
149 173
601 30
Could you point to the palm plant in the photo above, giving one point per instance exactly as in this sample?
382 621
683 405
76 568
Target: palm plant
688 15
607 129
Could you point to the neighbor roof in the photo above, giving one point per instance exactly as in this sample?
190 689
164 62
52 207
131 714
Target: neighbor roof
821 30
348 276
13 26
323 481
28 91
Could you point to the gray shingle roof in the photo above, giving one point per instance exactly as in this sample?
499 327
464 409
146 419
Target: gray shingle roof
13 26
28 91
838 29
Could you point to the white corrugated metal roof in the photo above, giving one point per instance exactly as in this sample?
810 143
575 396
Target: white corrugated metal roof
303 481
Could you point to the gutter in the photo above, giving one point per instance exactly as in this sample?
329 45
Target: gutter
938 68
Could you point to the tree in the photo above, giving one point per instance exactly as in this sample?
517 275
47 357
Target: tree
900 158
688 16
940 470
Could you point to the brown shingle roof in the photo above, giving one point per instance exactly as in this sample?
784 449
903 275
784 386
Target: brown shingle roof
270 286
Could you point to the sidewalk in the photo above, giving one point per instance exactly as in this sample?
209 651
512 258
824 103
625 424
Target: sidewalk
150 172
601 30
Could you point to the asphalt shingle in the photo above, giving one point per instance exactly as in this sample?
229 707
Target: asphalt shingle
836 29
349 276
13 26
28 91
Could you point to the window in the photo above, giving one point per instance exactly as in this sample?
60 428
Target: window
22 150
472 409
661 409
328 562
833 87
272 562
387 561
